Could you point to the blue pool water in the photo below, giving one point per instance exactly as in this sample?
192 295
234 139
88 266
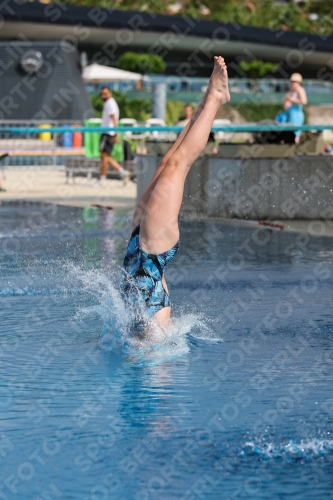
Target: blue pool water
237 404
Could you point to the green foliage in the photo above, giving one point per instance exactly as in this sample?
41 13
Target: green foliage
270 14
97 104
141 63
174 110
265 13
255 112
140 109
257 69
134 108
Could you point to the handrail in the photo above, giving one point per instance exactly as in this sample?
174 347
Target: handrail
220 128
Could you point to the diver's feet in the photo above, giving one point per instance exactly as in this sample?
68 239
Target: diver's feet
218 83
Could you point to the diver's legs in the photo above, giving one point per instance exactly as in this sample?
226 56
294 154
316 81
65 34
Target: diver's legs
141 206
159 224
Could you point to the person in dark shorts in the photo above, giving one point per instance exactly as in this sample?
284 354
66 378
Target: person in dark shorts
110 118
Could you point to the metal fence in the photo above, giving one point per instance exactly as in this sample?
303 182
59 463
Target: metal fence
177 84
52 144
32 144
40 145
243 90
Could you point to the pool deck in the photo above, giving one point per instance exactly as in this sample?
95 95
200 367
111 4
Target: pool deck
49 186
310 227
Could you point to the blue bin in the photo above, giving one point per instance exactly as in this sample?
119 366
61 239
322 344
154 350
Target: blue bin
67 138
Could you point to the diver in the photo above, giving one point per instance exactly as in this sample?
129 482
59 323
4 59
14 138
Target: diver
155 233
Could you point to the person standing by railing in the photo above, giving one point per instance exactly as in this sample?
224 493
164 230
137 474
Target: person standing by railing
110 117
297 97
188 112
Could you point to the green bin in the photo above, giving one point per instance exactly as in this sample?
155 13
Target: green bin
91 139
118 149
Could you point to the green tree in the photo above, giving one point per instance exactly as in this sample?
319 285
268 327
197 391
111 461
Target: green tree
174 110
140 109
141 63
257 68
253 112
265 13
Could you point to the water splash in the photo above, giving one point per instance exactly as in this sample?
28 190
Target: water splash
120 317
14 292
290 451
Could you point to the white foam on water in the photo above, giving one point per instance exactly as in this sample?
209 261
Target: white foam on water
119 317
290 450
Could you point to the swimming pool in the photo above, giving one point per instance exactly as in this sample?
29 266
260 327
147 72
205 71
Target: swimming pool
238 404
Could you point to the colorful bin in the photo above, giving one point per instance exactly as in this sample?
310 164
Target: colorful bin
45 136
77 137
91 139
67 138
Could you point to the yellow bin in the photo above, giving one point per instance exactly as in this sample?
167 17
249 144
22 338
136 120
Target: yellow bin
44 136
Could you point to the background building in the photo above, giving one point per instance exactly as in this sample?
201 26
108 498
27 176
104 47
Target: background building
186 44
42 81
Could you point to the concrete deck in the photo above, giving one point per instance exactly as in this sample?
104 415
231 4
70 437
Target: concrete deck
49 186
314 227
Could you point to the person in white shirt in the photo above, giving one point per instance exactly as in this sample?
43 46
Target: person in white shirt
110 118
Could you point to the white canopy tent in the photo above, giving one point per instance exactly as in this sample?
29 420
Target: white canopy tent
96 73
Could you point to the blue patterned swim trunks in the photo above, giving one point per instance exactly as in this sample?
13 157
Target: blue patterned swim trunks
143 272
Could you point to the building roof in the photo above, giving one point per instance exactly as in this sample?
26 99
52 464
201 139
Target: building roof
172 37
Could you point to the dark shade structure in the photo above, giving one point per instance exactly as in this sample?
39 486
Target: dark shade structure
42 81
187 45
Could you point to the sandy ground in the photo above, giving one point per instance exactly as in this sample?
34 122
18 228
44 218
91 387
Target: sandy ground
50 186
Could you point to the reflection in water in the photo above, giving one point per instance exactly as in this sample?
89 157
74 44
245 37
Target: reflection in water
105 220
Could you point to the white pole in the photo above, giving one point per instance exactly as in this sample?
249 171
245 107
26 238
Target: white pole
159 100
